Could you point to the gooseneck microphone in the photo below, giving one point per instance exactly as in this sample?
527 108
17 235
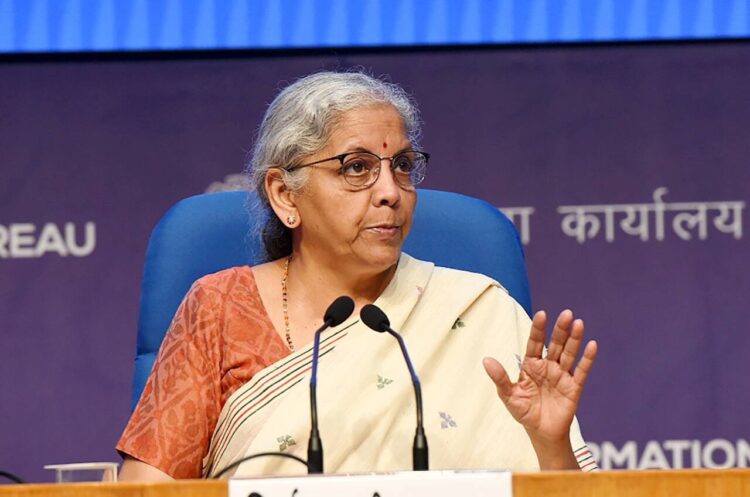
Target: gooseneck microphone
376 319
338 312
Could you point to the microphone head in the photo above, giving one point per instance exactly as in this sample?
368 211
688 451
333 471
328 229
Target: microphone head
373 317
339 311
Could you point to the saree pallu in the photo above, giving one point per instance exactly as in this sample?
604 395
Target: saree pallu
449 320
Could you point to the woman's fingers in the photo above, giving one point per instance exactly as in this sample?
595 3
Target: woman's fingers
572 346
586 363
560 335
499 377
535 345
564 345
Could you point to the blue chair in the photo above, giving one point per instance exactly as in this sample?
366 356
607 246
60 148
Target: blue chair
206 233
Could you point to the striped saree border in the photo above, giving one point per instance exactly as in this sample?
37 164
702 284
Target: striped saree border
264 389
585 459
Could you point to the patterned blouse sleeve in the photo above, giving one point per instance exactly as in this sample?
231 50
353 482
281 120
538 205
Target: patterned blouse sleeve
172 424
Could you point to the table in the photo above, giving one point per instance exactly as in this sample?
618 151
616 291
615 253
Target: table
676 483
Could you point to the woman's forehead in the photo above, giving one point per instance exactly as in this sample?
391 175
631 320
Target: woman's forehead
381 124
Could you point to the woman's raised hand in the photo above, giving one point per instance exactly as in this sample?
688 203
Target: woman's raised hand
545 398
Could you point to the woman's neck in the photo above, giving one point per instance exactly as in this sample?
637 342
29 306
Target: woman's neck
322 281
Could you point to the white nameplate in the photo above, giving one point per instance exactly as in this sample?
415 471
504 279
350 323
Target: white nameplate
402 484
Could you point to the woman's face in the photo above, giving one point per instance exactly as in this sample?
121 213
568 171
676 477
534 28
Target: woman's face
362 228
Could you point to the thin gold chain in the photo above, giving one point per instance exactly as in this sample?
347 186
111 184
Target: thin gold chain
285 304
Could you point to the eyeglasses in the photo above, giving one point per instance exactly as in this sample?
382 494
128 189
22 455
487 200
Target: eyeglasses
362 169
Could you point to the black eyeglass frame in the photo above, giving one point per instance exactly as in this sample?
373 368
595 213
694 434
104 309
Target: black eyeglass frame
343 156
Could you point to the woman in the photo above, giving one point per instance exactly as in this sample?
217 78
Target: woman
336 164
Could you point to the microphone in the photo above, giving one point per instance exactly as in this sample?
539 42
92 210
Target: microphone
337 313
376 319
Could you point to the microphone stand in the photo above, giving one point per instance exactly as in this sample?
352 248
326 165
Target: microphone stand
420 453
375 319
315 445
338 312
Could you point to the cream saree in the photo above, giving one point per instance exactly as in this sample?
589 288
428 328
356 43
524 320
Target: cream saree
450 320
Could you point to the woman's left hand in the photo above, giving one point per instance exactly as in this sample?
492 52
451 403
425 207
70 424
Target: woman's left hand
545 398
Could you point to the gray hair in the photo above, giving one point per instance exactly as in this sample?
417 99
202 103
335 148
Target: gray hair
299 122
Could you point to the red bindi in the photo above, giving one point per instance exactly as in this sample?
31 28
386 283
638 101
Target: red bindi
385 145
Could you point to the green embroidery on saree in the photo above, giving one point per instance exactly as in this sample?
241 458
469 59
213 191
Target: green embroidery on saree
447 421
285 442
382 382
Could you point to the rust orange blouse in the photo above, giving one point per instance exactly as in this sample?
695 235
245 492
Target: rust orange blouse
220 337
